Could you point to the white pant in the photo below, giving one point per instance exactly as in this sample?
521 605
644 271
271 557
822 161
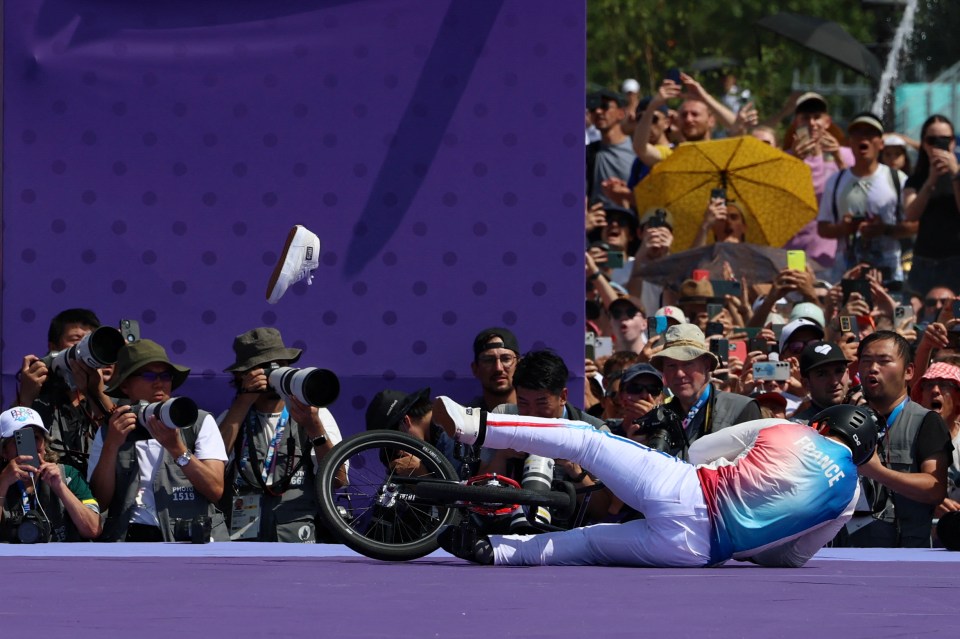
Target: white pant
676 531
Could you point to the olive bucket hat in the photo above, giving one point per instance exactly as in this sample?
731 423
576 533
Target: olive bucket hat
259 346
136 355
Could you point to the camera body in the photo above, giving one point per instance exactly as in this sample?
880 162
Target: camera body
196 530
30 528
97 349
313 386
663 431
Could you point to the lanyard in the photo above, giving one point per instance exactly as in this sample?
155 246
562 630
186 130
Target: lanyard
704 396
271 455
25 498
894 414
249 450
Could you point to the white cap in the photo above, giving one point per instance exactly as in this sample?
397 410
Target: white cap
630 86
792 328
809 310
893 140
671 312
13 419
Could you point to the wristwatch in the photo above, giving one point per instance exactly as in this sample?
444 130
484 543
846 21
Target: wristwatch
184 459
319 440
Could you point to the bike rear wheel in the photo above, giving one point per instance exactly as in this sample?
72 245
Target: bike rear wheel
379 513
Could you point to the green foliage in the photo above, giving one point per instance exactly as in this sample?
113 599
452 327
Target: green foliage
644 38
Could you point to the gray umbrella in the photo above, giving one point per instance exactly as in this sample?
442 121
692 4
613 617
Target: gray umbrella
826 38
756 262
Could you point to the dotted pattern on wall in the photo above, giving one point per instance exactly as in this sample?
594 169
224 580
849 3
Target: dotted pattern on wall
156 157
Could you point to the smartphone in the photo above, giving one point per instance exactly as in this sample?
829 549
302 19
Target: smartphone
797 260
590 344
130 329
726 287
777 331
775 371
714 328
956 309
701 274
714 309
738 349
718 194
848 324
673 75
802 133
758 344
941 142
903 312
721 348
656 326
953 338
603 347
856 286
27 445
615 259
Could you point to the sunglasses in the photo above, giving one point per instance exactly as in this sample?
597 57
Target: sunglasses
796 347
150 376
933 301
624 313
636 389
943 384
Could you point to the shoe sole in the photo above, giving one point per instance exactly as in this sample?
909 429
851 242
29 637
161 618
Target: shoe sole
278 269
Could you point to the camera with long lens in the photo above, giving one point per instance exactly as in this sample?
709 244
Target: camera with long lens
196 530
312 386
662 430
176 412
97 349
537 476
30 528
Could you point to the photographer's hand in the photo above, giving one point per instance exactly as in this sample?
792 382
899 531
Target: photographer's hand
121 423
86 520
16 470
33 373
169 438
50 474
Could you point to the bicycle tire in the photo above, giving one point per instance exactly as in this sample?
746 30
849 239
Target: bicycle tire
374 524
444 492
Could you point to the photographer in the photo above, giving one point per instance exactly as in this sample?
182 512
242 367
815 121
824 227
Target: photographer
275 447
686 365
150 475
74 414
57 493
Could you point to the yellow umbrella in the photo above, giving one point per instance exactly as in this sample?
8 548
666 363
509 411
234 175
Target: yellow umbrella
774 190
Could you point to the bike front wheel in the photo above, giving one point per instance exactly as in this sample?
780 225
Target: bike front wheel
377 512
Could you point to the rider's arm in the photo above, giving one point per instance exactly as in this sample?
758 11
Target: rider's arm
728 443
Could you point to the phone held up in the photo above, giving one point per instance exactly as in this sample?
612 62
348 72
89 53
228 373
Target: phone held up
26 442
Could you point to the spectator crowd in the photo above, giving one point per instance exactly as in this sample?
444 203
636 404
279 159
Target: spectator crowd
869 315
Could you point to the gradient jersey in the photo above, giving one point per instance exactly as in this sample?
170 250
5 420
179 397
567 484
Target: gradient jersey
770 484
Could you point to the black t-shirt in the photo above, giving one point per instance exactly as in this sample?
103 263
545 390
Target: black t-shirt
939 234
933 437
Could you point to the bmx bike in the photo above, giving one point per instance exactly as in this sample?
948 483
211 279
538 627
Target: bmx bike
402 491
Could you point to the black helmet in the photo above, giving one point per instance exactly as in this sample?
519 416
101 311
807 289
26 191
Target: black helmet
855 425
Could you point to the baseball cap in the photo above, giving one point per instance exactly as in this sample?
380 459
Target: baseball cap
820 353
645 103
809 310
868 119
627 300
599 98
495 337
621 214
637 370
630 86
893 140
811 102
671 313
13 419
794 326
388 407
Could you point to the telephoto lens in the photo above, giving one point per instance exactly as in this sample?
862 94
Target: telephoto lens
538 476
176 412
97 349
312 386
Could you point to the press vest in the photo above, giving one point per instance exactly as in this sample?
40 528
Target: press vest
282 516
176 497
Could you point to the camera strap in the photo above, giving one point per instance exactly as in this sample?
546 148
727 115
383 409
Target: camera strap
250 457
692 413
24 497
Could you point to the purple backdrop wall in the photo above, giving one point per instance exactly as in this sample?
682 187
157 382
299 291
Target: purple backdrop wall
156 156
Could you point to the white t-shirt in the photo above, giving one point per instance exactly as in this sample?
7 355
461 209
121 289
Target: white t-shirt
871 196
149 453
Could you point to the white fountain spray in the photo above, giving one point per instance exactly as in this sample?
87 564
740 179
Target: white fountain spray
893 60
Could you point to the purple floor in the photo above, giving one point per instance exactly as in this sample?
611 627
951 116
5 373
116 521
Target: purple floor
240 590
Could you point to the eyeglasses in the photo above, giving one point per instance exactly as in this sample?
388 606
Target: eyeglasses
935 140
150 376
635 388
625 313
943 384
930 302
506 360
796 346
